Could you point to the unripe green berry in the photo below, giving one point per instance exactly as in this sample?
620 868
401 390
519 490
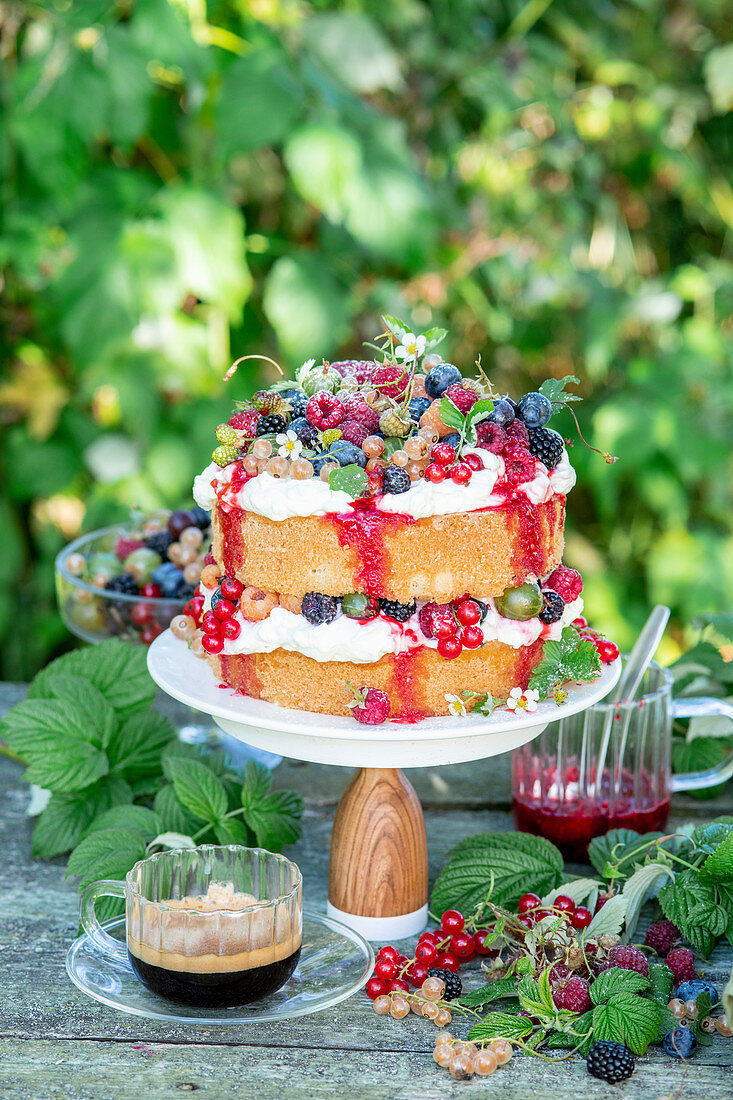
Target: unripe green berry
391 423
330 436
225 454
226 435
522 602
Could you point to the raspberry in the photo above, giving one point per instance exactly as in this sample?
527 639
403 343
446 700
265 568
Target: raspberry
610 1062
209 558
317 608
354 431
124 546
517 433
553 606
520 465
394 423
572 994
546 445
628 957
358 369
463 399
491 437
371 707
270 425
245 421
568 583
356 408
430 613
325 411
451 981
391 381
400 612
681 962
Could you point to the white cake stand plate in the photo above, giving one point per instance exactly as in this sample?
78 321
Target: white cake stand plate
378 882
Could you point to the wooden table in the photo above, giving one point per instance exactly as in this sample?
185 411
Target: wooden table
56 1043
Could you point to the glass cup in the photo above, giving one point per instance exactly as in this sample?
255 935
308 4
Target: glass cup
207 926
608 767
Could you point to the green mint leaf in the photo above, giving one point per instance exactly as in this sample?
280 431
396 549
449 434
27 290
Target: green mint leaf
629 1019
433 337
662 980
175 817
61 824
108 854
570 658
135 748
139 818
349 479
685 901
494 991
117 669
53 737
233 831
709 837
508 860
197 788
500 1025
556 390
615 980
451 416
720 621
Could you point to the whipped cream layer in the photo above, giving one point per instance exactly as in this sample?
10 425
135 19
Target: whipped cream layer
347 639
285 498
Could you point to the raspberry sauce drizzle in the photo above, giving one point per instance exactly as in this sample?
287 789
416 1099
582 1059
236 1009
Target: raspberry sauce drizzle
231 518
364 531
405 688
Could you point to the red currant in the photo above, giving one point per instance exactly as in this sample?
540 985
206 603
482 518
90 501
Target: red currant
150 632
443 454
582 917
444 625
461 473
417 973
430 937
426 952
230 629
449 647
474 461
580 622
398 984
525 920
563 904
194 607
607 651
141 613
462 946
452 921
388 952
375 987
151 591
527 902
386 969
538 914
231 589
435 473
210 623
472 637
446 961
224 609
403 960
481 948
468 612
212 643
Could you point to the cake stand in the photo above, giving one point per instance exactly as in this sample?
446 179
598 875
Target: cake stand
378 878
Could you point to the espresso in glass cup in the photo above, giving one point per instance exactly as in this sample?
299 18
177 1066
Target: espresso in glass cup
208 926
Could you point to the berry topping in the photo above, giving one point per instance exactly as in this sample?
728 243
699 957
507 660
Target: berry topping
491 437
371 707
468 612
245 421
306 433
679 1042
435 473
396 480
520 465
212 643
357 605
546 445
463 399
231 589
450 648
472 637
439 378
353 431
516 432
346 454
443 454
573 994
390 380
553 606
318 608
432 614
628 957
535 410
568 583
520 603
504 411
400 612
451 981
272 424
681 962
325 411
610 1062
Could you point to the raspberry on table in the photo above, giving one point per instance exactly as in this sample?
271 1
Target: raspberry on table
610 1062
400 612
662 936
572 994
568 583
318 608
453 984
547 445
628 957
681 961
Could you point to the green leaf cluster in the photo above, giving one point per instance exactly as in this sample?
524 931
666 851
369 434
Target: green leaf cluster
569 658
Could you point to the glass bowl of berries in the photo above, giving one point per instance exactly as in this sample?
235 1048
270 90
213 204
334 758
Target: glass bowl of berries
130 580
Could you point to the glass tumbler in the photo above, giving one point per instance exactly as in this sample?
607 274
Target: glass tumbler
207 926
608 767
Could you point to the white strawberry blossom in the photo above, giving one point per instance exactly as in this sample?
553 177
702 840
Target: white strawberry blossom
290 445
456 706
523 700
412 347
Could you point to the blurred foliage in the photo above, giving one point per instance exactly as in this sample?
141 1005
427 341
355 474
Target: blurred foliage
187 182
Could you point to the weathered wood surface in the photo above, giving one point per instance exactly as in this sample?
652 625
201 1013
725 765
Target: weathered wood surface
55 1042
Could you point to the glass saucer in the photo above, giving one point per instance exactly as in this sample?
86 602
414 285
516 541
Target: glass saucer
335 962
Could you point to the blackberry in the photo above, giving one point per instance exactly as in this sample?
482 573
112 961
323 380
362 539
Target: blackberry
306 433
317 608
553 606
396 480
297 401
271 425
483 606
123 582
611 1062
400 612
160 543
451 981
547 445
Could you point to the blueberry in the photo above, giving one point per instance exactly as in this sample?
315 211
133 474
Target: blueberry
319 461
417 407
396 480
202 517
439 378
164 572
689 991
305 432
346 454
679 1042
453 439
297 401
503 412
535 410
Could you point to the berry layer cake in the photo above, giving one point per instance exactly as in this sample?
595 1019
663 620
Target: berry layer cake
384 531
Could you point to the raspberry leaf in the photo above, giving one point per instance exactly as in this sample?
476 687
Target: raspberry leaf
349 479
718 867
118 670
142 819
615 980
643 885
54 738
500 1025
434 336
197 788
662 980
272 817
570 658
61 824
107 854
556 391
452 416
494 991
690 903
629 1019
608 920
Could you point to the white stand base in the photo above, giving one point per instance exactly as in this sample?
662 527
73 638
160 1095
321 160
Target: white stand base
382 928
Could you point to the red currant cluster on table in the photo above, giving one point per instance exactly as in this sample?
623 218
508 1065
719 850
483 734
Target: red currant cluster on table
607 650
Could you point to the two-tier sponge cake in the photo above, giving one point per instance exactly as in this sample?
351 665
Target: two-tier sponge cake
387 526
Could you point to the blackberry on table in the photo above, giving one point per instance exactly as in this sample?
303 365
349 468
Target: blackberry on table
123 582
553 606
273 423
319 608
400 612
547 445
159 542
451 981
610 1062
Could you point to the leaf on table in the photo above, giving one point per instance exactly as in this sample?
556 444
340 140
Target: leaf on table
197 788
615 980
500 1025
233 831
578 889
662 980
175 817
494 991
97 719
609 919
135 748
117 669
52 737
629 1019
708 838
61 824
108 854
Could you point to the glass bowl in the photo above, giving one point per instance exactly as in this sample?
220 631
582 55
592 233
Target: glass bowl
93 613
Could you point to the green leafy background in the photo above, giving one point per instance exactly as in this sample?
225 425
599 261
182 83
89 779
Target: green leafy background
188 182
